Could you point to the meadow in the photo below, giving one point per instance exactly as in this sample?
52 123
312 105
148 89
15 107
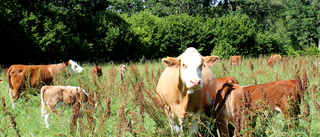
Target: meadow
127 107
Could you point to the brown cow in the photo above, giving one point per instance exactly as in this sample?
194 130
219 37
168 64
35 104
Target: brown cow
181 86
273 59
96 71
51 96
235 60
275 94
21 77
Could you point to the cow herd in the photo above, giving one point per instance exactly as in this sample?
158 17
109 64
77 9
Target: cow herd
186 89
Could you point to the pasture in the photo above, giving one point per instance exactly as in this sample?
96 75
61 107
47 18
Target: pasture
127 107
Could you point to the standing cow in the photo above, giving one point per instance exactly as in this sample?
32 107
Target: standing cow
235 60
51 96
96 71
19 76
183 85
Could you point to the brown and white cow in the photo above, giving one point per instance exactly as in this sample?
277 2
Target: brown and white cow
51 96
21 77
272 95
235 60
276 95
96 71
183 85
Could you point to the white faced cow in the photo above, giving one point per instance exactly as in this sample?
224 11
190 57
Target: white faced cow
179 89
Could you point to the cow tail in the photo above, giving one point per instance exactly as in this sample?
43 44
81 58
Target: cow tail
221 97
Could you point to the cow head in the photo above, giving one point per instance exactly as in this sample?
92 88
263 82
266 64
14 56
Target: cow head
190 64
74 67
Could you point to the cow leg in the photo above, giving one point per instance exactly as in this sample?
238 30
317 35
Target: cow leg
223 125
194 124
46 119
176 128
11 98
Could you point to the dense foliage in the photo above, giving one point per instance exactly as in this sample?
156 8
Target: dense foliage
35 31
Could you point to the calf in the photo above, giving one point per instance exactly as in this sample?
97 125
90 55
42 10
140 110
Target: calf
183 85
235 60
96 71
51 96
35 76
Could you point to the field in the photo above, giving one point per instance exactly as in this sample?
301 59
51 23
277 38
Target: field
126 107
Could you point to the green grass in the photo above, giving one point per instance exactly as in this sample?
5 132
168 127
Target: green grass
132 110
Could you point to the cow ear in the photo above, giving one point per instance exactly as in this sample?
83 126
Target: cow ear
171 62
210 60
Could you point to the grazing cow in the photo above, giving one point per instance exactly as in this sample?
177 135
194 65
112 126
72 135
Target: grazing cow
221 81
21 77
51 96
235 60
280 95
183 85
96 70
122 68
0 80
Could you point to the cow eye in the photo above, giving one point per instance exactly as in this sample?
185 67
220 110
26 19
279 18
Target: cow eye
184 66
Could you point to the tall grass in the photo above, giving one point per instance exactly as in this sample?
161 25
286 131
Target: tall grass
127 107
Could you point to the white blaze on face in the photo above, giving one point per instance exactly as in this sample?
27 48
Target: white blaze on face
74 67
191 69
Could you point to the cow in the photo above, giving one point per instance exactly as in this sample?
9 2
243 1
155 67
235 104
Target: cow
183 85
21 77
235 60
96 71
273 95
0 80
51 96
277 95
221 81
276 57
122 69
273 59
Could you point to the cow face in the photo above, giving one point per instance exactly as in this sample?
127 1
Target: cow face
191 64
74 67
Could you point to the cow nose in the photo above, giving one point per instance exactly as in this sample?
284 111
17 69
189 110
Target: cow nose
195 82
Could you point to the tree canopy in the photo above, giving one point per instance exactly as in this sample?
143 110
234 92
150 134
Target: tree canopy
39 32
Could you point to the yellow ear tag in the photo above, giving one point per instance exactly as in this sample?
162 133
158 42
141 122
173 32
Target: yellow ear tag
168 57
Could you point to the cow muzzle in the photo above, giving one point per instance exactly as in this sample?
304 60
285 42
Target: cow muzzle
195 84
